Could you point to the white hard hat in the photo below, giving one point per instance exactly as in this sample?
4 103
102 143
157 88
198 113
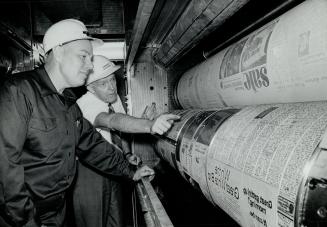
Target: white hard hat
102 67
66 31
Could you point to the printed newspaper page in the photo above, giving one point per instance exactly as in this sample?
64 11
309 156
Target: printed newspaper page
282 62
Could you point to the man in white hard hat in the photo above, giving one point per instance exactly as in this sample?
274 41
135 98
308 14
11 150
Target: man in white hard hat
42 130
97 198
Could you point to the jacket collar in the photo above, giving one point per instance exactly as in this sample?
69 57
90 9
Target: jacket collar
47 87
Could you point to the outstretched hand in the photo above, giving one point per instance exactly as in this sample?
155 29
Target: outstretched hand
163 123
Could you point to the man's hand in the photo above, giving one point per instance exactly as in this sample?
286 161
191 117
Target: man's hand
143 171
133 159
163 123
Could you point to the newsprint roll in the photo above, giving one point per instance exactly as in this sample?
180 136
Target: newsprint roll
284 61
264 165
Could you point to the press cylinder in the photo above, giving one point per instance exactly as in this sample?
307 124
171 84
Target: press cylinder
284 61
264 165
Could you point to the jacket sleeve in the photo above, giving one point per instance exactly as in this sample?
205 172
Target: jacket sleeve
18 206
100 154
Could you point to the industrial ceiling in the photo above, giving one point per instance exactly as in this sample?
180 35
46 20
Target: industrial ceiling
179 33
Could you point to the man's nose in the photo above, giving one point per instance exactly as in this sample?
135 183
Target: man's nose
111 85
89 64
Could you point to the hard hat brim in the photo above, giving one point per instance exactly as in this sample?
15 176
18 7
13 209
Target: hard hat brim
104 74
96 43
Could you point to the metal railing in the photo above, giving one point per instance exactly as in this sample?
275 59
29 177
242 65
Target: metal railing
152 209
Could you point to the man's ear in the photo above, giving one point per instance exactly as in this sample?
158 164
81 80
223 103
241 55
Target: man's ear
58 53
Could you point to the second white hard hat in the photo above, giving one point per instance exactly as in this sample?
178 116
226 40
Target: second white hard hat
66 31
102 67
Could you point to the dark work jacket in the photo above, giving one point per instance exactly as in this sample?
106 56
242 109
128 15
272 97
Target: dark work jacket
41 132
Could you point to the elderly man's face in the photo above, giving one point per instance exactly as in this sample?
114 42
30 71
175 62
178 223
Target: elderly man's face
76 62
106 89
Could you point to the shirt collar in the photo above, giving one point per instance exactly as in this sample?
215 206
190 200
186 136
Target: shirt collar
70 96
